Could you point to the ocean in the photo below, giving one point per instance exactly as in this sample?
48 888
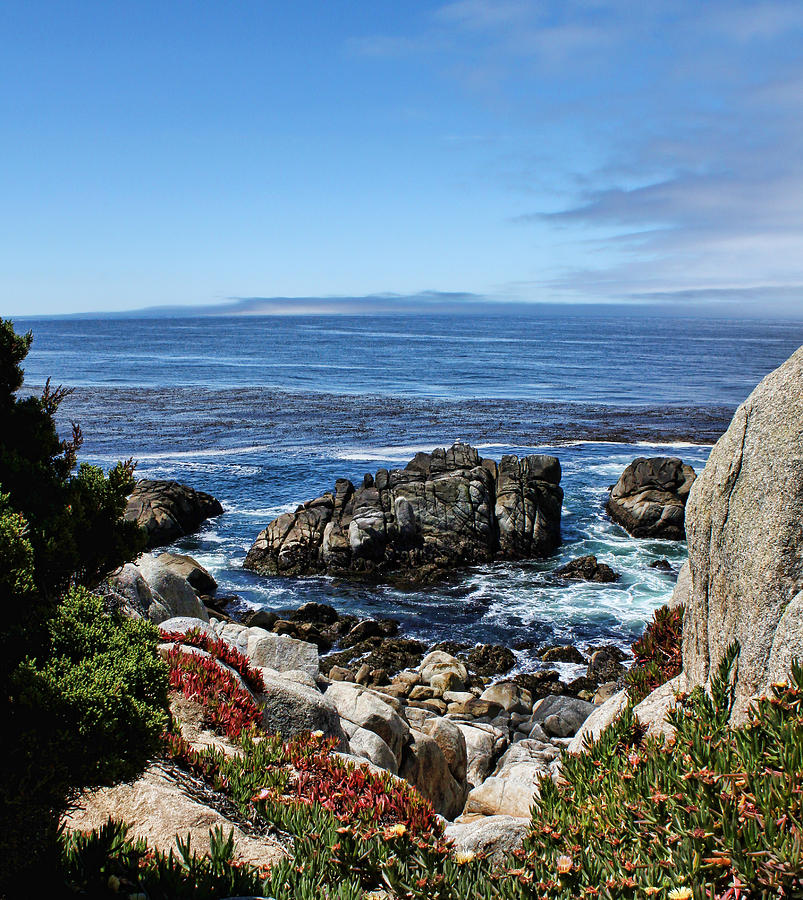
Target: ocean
266 412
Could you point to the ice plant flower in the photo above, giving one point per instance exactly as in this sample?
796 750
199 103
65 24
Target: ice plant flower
681 893
565 864
462 857
398 829
317 734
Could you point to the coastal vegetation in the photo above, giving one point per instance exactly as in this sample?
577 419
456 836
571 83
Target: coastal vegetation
84 694
712 813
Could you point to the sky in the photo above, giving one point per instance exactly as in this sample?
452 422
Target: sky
176 152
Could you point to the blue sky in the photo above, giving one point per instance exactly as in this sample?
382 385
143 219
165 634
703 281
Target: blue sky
191 152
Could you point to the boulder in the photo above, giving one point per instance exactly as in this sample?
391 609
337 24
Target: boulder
367 709
448 669
157 808
191 570
586 568
495 837
290 708
369 745
510 696
277 651
424 766
745 535
514 785
167 510
561 716
138 600
484 743
445 509
452 743
649 499
174 591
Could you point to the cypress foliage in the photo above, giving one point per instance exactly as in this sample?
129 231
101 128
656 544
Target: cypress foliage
83 692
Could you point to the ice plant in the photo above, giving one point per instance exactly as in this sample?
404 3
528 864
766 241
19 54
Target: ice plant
564 864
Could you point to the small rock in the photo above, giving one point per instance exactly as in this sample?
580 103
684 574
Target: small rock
662 564
490 659
338 673
474 708
422 692
316 613
261 618
605 665
567 653
586 568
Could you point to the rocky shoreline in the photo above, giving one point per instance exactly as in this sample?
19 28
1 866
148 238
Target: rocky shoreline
460 723
492 751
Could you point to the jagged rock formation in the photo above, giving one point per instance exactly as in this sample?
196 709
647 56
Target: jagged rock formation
445 509
745 532
649 499
167 510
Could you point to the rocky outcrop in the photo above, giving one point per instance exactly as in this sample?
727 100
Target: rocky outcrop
745 533
160 806
586 568
445 509
167 510
649 499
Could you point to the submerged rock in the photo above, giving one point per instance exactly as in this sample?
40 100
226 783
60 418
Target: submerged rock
445 509
649 499
167 510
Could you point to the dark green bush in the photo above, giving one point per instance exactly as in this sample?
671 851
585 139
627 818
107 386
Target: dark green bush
82 694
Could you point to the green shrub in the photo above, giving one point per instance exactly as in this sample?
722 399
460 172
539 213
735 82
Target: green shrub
82 695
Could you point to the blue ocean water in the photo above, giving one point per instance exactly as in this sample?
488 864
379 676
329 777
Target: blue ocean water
265 412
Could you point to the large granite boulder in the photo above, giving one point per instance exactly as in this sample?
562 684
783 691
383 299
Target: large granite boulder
510 791
424 766
170 588
167 510
289 708
745 533
484 743
649 499
445 509
370 711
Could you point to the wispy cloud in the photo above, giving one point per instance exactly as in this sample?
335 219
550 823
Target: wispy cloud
698 178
